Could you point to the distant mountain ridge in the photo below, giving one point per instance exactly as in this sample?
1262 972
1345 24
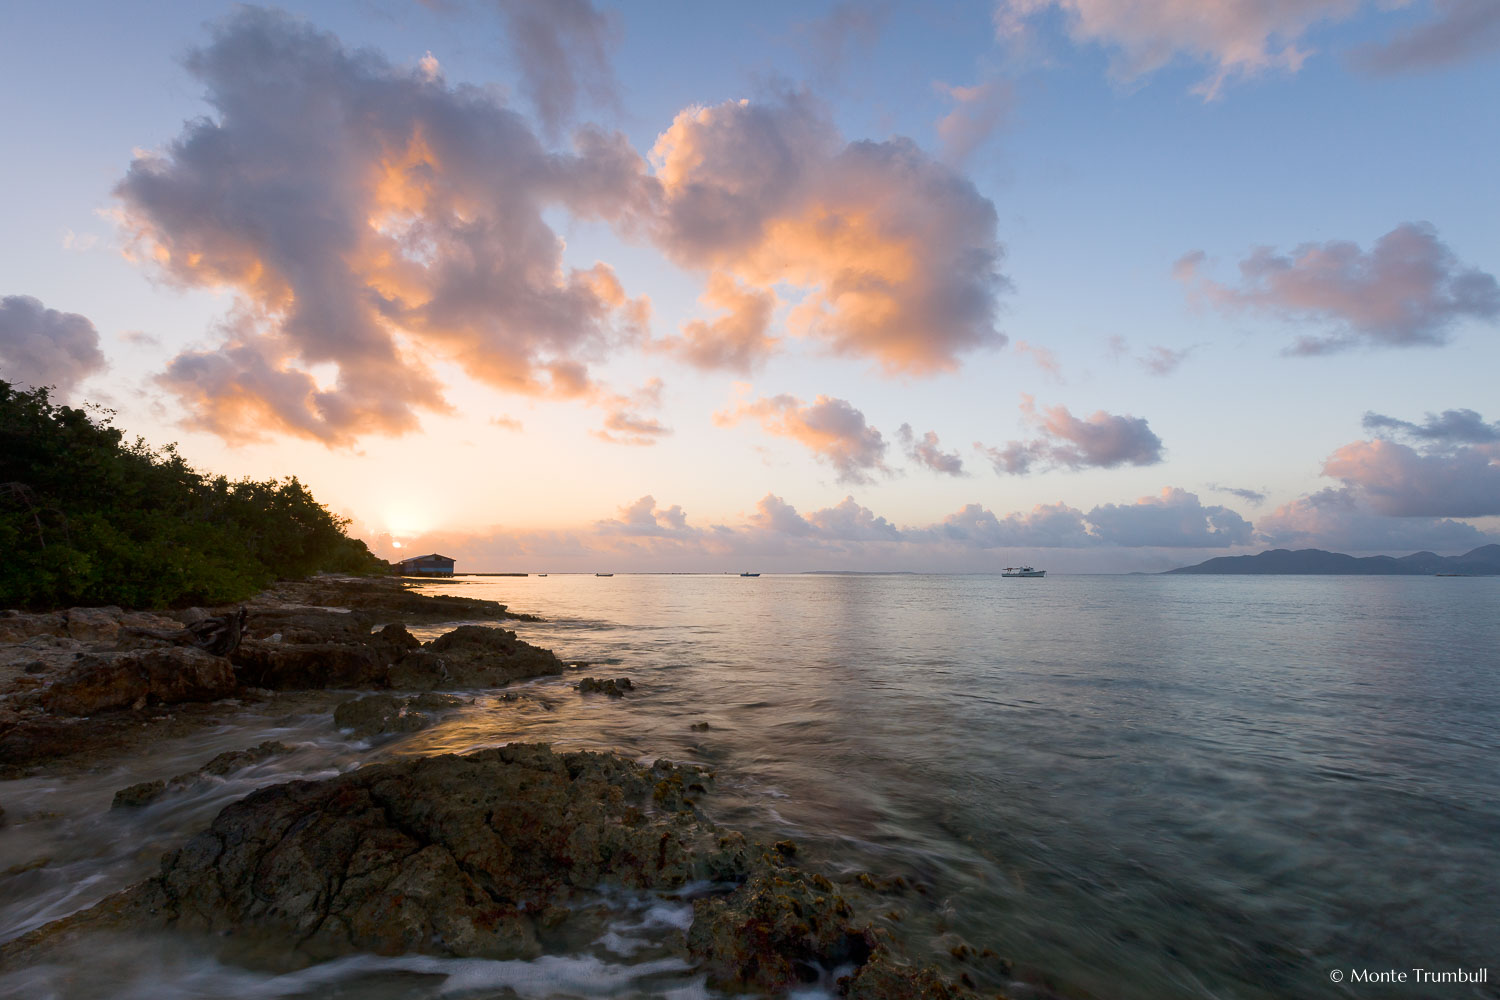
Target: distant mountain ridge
1483 561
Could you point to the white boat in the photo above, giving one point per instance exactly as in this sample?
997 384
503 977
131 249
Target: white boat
1022 571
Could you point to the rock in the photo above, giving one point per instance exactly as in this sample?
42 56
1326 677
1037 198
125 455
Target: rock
615 687
882 978
146 792
462 856
101 681
93 624
699 727
395 636
140 794
382 714
775 931
480 656
18 626
284 666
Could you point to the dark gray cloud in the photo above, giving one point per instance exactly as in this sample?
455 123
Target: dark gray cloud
1408 290
926 452
1253 497
1103 441
1462 30
45 347
1343 521
1448 427
370 217
1173 519
562 48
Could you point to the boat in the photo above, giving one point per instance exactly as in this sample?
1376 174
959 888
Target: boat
1026 571
541 574
604 574
749 574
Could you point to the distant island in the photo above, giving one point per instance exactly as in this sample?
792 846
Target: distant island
1483 561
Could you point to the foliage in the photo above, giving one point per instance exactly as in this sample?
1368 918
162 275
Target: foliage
87 517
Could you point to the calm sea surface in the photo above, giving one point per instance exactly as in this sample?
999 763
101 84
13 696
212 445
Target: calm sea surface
1134 787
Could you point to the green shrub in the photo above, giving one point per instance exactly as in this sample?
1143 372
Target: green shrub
89 518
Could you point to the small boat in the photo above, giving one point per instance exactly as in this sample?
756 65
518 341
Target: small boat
1025 571
749 574
541 574
604 574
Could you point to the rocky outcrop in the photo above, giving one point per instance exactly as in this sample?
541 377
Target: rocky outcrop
101 681
384 714
146 792
613 687
473 656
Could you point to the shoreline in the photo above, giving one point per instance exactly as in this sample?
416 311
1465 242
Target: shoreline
313 654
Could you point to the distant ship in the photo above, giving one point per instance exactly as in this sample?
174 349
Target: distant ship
1022 571
749 574
604 574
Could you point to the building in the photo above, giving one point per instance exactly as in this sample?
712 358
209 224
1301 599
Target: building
428 565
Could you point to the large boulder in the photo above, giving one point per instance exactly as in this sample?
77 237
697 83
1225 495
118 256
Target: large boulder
462 856
101 681
473 656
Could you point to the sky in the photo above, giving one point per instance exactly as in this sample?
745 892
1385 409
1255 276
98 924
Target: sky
553 285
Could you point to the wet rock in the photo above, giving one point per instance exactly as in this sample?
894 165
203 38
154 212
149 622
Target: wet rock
883 978
140 794
460 856
775 931
146 792
474 656
101 681
699 727
384 714
614 687
283 666
395 636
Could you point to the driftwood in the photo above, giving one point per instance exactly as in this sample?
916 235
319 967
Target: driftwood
219 635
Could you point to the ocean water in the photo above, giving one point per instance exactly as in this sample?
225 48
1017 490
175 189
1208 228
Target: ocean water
1133 787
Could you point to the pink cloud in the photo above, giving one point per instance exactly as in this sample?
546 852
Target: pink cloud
1103 440
831 429
1343 521
45 347
1408 290
1400 481
737 341
926 452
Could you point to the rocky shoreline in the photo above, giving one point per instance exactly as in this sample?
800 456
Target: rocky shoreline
484 855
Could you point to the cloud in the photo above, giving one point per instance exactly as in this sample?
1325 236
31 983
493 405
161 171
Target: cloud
887 253
831 429
737 341
644 518
1462 30
367 218
45 347
977 112
1406 291
1157 359
561 47
1164 360
624 424
507 422
1234 38
848 25
926 453
1044 358
1449 427
1397 480
1253 497
1044 526
1102 441
1174 518
1341 520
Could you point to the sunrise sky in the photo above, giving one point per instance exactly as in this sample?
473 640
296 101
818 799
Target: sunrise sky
1100 285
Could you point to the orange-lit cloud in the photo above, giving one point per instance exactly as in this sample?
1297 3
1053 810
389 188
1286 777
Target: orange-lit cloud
893 255
372 218
737 341
831 429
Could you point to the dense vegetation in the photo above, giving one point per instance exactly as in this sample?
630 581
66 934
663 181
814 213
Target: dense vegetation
89 518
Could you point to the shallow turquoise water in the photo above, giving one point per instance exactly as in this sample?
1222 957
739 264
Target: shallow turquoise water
1134 786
